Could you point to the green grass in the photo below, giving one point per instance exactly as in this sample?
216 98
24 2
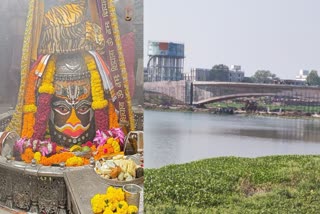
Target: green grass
275 184
225 105
306 109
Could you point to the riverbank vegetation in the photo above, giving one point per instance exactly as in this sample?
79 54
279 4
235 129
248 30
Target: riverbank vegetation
272 107
274 184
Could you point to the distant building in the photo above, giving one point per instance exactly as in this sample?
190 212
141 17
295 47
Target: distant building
166 61
303 74
235 74
217 73
201 74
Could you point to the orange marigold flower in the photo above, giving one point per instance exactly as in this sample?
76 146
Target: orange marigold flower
56 158
28 155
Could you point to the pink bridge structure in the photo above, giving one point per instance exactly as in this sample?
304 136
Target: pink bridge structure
199 93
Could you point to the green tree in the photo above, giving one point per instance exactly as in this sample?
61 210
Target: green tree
264 76
248 80
313 78
219 73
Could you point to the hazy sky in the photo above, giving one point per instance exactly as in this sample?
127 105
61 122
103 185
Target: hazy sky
282 36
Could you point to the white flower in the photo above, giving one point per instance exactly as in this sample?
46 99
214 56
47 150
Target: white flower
27 143
34 144
49 148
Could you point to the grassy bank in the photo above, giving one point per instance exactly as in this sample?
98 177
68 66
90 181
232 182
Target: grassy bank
275 184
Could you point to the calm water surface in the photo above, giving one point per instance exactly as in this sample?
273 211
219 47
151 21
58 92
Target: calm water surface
176 137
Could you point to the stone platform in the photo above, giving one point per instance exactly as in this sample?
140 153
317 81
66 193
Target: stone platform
82 185
43 189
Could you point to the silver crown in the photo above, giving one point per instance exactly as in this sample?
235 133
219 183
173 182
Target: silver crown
70 67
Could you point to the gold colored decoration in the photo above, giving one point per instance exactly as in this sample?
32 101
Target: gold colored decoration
36 31
15 124
116 34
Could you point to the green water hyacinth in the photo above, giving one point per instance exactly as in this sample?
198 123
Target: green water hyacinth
273 184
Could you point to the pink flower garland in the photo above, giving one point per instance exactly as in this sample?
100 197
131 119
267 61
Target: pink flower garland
45 147
102 119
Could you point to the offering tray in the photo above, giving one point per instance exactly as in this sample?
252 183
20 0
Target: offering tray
120 170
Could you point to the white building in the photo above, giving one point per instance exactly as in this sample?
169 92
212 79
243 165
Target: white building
235 73
303 74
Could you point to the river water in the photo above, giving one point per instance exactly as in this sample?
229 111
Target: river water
179 137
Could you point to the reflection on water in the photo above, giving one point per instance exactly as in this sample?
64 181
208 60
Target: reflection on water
285 129
307 136
176 137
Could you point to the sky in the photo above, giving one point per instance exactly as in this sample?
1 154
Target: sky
282 36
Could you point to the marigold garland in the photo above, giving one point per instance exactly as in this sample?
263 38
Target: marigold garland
75 161
28 123
99 102
27 156
29 107
49 153
113 117
56 158
68 157
46 88
59 149
47 80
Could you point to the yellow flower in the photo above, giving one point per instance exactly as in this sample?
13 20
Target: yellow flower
132 209
47 80
46 88
122 207
74 161
99 102
98 203
108 211
115 145
110 140
119 194
37 156
31 108
112 206
111 198
110 189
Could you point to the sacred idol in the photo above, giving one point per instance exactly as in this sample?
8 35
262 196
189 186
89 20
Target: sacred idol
74 107
74 79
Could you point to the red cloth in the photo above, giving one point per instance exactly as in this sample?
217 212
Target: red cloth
128 47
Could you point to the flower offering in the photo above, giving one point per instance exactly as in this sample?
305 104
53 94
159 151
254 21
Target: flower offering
112 202
48 153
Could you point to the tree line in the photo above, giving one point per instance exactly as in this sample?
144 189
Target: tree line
218 72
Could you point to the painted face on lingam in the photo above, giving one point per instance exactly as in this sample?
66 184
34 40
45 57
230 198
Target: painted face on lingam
71 120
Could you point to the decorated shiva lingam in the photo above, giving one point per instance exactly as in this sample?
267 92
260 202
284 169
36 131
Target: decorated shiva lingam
67 98
74 103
